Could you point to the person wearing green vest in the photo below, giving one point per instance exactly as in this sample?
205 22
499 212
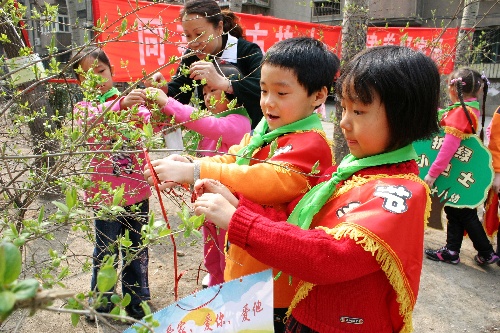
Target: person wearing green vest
459 121
281 159
223 125
354 241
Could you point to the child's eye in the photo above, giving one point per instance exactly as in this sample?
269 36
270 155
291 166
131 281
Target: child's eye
262 91
282 93
357 113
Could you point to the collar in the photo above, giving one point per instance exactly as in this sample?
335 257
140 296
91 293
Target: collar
230 52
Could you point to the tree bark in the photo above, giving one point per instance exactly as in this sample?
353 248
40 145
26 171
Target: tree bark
354 30
464 39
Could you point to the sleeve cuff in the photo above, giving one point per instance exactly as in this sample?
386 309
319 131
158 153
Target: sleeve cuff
240 225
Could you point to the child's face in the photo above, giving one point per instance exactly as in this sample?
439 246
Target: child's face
100 69
201 35
213 100
365 126
282 99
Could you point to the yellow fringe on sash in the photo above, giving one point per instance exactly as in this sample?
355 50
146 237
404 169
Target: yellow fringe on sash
456 132
386 258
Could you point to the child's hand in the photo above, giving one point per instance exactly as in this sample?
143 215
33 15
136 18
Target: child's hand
157 81
155 95
202 186
200 70
496 183
429 180
135 97
216 209
178 158
170 173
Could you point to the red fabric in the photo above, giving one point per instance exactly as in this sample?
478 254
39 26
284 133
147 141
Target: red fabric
491 220
456 119
349 281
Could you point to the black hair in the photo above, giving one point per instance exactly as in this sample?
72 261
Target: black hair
407 83
93 52
312 62
213 14
468 83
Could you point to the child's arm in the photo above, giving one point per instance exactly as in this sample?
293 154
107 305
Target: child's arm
443 158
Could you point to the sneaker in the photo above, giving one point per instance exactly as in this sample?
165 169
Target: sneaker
491 259
135 311
443 254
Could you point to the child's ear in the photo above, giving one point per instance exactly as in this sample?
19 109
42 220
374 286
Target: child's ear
320 96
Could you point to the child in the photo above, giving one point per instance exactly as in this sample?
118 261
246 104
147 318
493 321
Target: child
229 125
460 120
115 170
354 241
296 75
494 147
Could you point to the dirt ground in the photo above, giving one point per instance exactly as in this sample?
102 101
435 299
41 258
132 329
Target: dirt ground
452 298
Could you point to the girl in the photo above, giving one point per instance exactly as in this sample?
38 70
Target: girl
355 240
460 120
215 34
114 170
228 124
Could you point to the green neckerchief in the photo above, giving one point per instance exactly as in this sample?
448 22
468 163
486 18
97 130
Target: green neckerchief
312 202
260 135
110 93
240 110
472 104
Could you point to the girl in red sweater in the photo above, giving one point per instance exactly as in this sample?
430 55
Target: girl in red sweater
354 241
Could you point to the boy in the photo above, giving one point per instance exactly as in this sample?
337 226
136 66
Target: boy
296 76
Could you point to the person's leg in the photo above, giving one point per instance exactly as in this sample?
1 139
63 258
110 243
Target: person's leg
135 273
449 253
476 232
454 228
106 232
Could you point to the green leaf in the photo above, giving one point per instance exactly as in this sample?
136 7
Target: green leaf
272 148
7 301
115 299
71 197
106 278
125 240
126 300
75 318
148 130
62 207
314 169
118 196
26 289
10 263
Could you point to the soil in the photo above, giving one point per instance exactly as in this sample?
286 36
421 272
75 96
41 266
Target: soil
452 298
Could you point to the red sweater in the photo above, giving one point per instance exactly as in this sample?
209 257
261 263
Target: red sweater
348 282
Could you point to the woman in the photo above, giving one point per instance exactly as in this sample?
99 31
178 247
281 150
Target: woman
215 36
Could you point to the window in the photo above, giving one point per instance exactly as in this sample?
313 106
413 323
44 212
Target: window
326 8
62 25
486 46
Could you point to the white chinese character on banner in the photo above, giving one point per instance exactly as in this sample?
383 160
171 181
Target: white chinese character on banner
372 40
280 35
389 39
255 34
151 40
423 161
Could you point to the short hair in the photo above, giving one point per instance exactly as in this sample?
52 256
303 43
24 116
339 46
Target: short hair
210 10
312 62
94 52
407 83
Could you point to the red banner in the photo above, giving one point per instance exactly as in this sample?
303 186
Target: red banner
141 37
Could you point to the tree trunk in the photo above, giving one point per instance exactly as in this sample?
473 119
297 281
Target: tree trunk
354 30
464 40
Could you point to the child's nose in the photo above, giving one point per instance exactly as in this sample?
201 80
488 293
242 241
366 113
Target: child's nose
345 122
268 101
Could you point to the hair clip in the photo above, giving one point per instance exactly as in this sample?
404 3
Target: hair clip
458 79
483 76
